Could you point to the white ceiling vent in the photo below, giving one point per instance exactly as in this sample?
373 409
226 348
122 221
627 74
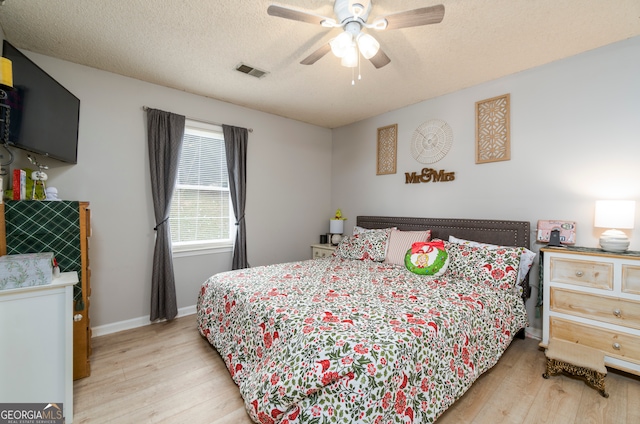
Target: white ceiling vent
250 70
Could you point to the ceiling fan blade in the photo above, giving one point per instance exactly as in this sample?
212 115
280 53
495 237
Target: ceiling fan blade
380 59
317 55
416 17
297 15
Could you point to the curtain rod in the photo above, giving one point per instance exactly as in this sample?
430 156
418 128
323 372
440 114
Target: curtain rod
145 108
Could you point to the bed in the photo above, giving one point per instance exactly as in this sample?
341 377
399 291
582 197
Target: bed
352 338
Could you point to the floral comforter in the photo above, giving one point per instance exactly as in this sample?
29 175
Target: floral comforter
346 341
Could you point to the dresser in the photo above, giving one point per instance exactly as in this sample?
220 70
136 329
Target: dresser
64 228
36 352
322 250
592 297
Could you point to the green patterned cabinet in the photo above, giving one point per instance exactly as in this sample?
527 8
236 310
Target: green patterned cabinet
29 226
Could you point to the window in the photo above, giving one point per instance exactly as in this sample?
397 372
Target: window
201 214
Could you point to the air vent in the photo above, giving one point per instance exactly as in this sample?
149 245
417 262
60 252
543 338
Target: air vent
250 70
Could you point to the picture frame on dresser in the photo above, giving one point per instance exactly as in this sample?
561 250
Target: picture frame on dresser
592 298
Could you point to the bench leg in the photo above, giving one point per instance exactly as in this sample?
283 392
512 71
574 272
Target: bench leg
594 379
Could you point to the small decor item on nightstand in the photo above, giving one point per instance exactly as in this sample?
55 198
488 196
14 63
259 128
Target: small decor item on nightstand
615 215
336 227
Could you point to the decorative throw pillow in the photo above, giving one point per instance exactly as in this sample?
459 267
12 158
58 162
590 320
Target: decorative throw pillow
370 245
498 267
400 241
427 258
495 267
526 256
359 230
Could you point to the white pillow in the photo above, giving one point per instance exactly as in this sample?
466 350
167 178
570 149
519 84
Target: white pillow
526 256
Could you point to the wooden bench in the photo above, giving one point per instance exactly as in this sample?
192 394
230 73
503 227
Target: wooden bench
578 360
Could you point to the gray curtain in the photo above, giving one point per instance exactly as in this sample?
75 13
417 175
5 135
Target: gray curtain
235 142
164 135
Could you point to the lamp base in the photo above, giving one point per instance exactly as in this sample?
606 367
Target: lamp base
614 241
335 239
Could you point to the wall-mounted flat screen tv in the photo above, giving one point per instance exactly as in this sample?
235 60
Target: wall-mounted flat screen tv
44 115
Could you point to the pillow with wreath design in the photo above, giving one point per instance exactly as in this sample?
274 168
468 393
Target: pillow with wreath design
427 258
370 245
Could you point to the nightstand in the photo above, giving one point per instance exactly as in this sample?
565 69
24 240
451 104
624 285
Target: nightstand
322 250
592 298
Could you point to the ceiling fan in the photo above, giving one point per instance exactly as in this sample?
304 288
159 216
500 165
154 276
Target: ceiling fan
353 17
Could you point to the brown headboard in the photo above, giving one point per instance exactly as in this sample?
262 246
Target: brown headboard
505 233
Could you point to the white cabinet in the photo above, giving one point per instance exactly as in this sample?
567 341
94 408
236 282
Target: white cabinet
36 344
592 298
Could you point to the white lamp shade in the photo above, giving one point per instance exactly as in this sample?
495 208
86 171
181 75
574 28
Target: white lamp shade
336 226
618 214
341 44
350 59
368 45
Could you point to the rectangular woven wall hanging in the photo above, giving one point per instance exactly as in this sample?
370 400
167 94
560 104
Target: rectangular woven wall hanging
492 130
387 149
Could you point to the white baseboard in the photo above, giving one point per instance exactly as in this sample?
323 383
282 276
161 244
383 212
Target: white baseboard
102 330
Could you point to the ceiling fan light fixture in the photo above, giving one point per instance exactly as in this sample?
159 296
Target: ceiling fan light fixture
329 23
368 45
341 44
350 59
357 9
378 24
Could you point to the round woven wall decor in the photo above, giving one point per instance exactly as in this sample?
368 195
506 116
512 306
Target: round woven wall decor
431 141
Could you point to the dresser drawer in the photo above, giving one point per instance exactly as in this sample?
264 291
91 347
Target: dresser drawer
612 343
582 273
602 308
321 251
631 279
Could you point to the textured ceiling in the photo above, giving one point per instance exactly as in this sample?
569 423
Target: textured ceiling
195 46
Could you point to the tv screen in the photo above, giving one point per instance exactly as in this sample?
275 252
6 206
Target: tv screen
44 115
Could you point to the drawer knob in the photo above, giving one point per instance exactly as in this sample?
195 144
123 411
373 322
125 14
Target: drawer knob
616 346
77 317
617 313
579 274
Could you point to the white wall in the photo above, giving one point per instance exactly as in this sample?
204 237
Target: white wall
283 216
575 138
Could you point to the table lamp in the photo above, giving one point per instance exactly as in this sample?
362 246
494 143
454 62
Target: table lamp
336 228
615 215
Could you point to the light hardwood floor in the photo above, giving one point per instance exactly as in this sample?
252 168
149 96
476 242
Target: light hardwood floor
167 373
